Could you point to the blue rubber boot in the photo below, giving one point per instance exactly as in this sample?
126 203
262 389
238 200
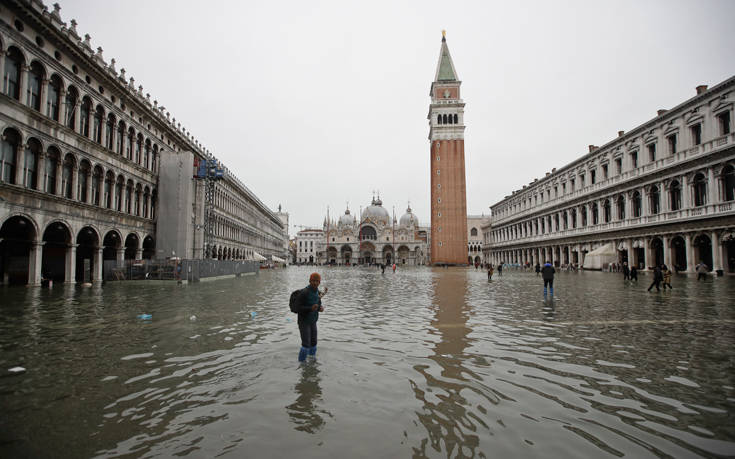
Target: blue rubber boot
551 290
544 291
302 353
312 351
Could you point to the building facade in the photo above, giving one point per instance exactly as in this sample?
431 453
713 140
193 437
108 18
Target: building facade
662 193
93 172
307 245
448 183
475 238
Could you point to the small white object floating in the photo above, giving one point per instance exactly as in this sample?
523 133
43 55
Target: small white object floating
17 370
193 318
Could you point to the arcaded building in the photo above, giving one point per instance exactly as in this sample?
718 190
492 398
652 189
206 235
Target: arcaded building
661 193
447 165
94 172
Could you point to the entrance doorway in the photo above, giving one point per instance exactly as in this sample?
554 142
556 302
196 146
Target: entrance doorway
16 236
56 240
678 254
657 248
703 250
87 244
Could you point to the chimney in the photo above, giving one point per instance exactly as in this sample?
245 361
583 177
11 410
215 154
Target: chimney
593 148
661 111
621 133
701 89
553 170
548 173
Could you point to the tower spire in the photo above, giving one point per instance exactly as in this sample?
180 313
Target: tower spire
445 67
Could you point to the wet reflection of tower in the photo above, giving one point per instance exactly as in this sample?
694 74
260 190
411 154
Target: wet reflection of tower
448 184
446 415
304 411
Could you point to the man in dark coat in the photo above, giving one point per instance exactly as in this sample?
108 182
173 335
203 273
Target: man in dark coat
657 278
547 273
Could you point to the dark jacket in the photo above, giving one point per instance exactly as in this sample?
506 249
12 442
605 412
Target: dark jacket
547 272
657 274
307 298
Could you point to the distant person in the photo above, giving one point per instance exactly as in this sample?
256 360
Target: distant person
382 268
489 272
310 305
633 274
702 271
657 278
547 273
394 267
666 272
626 271
538 269
500 269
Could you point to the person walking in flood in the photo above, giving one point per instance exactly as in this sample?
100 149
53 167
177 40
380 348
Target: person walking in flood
500 269
702 271
310 305
633 273
538 269
626 271
666 272
489 272
547 273
657 278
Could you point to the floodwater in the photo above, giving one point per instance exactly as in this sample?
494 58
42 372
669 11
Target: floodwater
418 363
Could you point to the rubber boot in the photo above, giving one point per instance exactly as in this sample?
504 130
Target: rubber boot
302 353
312 351
544 291
551 291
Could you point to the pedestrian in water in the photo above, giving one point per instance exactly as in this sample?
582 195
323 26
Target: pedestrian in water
626 271
667 277
500 269
701 271
489 272
547 273
310 305
538 269
394 267
633 274
657 278
382 268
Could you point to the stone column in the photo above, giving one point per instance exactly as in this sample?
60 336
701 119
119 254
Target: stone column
71 264
648 252
667 251
77 114
2 64
713 197
689 252
89 186
74 180
629 247
35 258
685 193
23 83
120 257
43 95
664 204
59 172
716 251
41 171
139 253
97 276
20 159
645 204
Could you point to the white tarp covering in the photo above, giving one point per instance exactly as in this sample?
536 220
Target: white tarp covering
601 257
258 257
276 259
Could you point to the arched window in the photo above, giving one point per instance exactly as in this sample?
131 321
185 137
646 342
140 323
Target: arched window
110 130
138 192
71 107
10 141
138 148
119 185
54 98
66 177
99 116
30 164
83 181
131 143
11 75
473 232
728 183
147 155
637 208
107 190
49 172
606 213
456 118
700 190
438 119
154 159
96 184
621 207
85 112
444 118
595 214
574 218
368 232
675 195
35 80
655 198
120 138
146 200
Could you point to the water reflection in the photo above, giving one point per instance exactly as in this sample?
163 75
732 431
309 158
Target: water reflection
444 413
306 412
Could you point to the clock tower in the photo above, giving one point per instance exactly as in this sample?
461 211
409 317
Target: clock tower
448 186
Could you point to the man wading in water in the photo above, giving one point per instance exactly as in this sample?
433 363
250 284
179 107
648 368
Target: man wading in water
310 305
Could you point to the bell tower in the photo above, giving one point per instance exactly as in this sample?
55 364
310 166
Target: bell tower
448 185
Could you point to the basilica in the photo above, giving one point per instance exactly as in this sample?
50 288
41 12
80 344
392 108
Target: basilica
373 237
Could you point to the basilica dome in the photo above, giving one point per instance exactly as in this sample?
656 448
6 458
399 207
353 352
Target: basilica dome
346 219
409 219
376 212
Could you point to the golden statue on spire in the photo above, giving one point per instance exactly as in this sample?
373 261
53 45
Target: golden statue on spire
444 33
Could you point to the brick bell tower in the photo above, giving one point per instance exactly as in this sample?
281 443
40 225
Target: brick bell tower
448 185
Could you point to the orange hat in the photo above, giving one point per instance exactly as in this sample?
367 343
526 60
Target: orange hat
315 276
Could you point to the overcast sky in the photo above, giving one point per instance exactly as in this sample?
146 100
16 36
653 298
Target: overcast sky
317 103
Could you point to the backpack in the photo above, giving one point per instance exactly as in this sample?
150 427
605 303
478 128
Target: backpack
293 301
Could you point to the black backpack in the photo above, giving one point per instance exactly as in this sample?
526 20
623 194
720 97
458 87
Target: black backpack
293 301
